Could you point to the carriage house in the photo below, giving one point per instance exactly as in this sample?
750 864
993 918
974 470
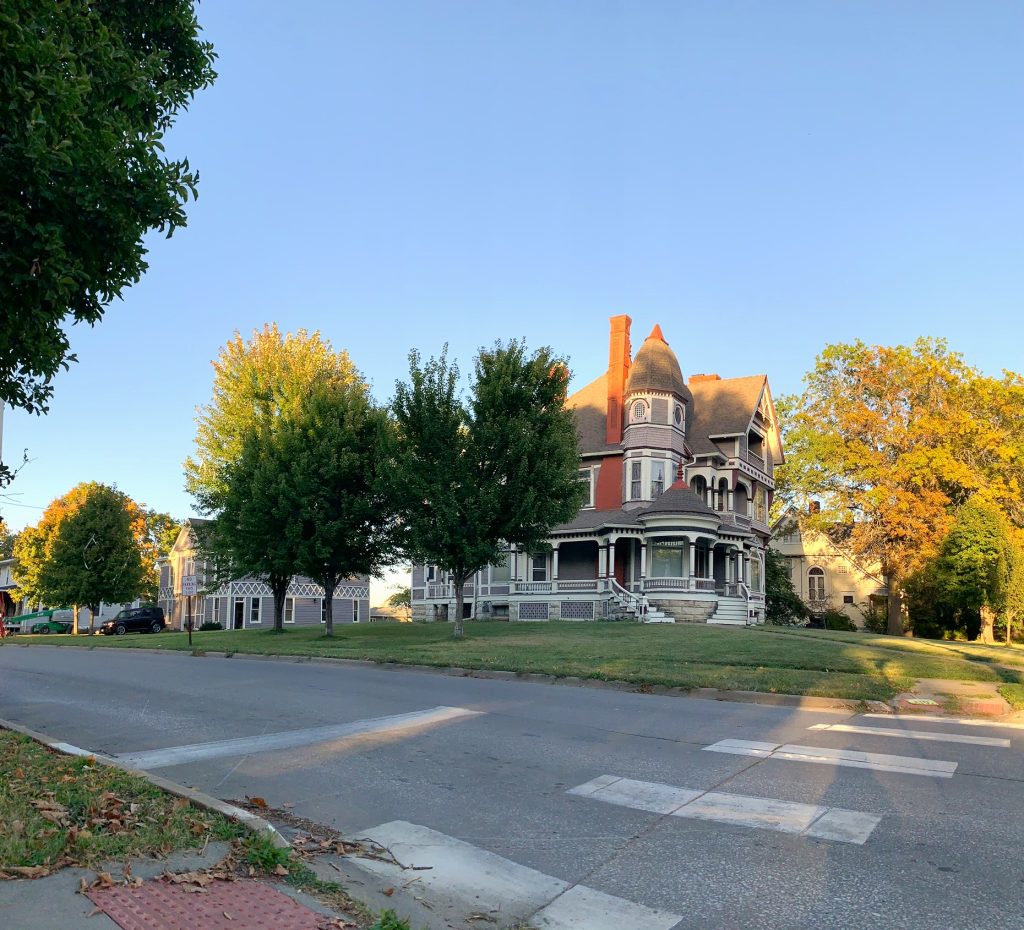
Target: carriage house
246 603
679 481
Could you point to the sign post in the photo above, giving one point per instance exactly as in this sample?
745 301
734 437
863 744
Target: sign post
189 589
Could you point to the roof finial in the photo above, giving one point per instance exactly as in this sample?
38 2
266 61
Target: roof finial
657 334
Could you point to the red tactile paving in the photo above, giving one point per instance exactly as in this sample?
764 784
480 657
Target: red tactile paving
241 905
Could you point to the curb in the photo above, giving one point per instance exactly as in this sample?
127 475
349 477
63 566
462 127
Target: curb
253 822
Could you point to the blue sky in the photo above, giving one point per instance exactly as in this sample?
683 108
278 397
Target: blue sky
760 178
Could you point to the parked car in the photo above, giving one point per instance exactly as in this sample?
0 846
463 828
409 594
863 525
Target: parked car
135 620
52 626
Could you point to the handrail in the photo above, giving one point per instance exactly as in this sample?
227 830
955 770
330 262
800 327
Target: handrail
634 602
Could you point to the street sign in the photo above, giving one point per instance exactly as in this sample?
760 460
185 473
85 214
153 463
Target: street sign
189 585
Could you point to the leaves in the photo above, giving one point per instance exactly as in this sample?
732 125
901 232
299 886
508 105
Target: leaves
87 89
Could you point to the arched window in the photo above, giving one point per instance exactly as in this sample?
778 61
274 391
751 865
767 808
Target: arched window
816 584
639 412
700 487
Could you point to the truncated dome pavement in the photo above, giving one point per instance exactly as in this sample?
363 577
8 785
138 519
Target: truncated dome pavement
240 905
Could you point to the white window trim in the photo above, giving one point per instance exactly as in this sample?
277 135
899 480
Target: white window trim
215 613
259 611
289 601
589 469
644 414
355 610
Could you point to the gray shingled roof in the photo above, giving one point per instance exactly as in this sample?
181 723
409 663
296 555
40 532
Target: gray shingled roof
722 407
593 519
590 405
656 368
678 499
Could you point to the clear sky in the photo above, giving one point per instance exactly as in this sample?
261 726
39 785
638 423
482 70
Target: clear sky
762 178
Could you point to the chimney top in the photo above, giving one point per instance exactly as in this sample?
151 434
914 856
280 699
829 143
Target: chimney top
696 379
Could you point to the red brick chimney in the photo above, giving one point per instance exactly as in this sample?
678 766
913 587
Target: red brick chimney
619 354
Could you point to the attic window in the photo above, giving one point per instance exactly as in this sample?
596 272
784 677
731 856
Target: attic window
678 415
639 412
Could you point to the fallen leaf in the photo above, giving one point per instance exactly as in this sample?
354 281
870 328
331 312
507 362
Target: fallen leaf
227 916
179 804
28 871
280 870
388 892
257 801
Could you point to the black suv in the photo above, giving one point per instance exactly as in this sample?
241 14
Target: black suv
135 620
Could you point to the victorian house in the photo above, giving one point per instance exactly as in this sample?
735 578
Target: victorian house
679 481
246 603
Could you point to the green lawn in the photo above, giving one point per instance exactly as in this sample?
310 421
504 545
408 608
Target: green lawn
773 659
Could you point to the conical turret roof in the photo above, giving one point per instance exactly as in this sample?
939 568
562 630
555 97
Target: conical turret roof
656 368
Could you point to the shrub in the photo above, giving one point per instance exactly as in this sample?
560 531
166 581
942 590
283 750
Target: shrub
211 625
837 620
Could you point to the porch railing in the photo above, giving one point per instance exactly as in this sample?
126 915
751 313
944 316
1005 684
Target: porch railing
736 519
679 584
531 587
580 585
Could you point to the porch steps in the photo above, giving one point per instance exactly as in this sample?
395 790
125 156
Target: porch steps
731 611
683 611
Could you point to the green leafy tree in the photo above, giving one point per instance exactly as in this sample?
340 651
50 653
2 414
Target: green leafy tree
7 540
87 90
94 555
973 568
889 441
338 458
246 437
782 603
29 553
474 477
401 599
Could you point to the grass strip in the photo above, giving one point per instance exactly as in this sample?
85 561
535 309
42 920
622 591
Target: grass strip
58 810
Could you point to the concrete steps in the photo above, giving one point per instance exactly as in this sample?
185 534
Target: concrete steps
685 611
731 611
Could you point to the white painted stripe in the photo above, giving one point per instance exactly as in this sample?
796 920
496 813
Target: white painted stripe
640 795
487 881
879 762
833 823
843 826
270 742
958 721
914 734
581 907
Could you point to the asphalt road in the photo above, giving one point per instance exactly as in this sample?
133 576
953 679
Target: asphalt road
930 840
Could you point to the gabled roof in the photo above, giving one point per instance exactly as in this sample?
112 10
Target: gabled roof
722 407
590 405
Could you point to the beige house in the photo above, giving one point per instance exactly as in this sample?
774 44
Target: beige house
824 575
679 480
247 603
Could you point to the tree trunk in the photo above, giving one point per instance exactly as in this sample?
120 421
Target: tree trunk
459 627
1009 625
280 591
94 610
329 584
74 620
987 632
894 626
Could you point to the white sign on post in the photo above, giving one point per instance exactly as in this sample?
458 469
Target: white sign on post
189 585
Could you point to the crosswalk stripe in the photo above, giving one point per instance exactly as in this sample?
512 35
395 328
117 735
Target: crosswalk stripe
289 739
833 823
914 734
481 878
879 762
958 721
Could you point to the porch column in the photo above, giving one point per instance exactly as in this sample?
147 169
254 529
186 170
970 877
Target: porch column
514 574
713 494
691 569
643 562
731 499
554 562
602 561
740 568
